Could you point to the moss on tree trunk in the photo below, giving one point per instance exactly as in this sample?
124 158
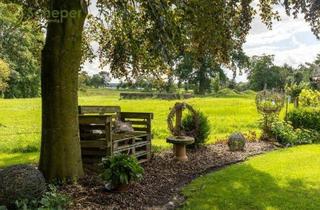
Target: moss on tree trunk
60 146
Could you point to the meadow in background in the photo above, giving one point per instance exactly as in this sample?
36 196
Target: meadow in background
20 120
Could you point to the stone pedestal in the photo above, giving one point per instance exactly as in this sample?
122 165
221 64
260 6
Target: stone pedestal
179 146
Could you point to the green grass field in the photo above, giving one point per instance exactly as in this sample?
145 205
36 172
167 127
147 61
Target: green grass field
20 119
284 179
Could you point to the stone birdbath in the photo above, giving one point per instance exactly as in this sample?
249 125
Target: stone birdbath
180 139
179 146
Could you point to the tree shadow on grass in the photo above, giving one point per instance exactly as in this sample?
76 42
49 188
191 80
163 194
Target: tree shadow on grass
244 187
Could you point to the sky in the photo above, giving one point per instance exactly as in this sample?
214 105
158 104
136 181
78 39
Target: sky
290 41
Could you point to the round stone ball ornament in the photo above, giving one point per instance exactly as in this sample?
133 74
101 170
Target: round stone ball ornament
180 137
21 182
236 142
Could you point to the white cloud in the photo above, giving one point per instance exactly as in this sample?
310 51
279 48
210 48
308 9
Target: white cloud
290 40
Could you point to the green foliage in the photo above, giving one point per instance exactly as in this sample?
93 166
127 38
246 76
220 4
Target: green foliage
198 72
264 72
121 169
52 199
294 89
4 75
97 80
287 135
307 118
309 97
20 46
148 37
284 133
284 179
266 123
204 129
269 105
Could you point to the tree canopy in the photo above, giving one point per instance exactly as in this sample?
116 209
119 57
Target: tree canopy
20 45
4 76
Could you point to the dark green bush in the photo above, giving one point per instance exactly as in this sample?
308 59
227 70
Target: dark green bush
121 169
307 118
201 136
286 135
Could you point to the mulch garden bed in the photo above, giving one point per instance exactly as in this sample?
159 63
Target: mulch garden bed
163 179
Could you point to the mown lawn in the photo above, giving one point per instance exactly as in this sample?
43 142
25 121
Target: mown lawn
20 119
284 179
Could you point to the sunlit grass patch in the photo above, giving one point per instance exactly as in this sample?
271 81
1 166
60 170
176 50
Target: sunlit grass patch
284 179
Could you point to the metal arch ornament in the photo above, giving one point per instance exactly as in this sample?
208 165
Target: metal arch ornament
178 131
269 102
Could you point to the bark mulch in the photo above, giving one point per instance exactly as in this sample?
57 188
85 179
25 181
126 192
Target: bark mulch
163 179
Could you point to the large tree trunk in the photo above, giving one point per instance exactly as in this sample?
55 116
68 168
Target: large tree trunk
60 147
202 86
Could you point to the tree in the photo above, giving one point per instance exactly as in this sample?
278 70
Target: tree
60 156
4 76
191 73
83 80
264 73
20 45
134 29
99 80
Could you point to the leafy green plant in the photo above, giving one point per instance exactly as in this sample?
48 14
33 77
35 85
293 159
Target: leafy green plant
202 133
307 118
121 169
269 104
287 135
309 98
294 91
284 133
52 199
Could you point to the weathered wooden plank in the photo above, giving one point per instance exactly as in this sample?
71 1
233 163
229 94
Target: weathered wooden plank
94 152
101 144
88 127
99 109
137 115
94 119
90 136
127 147
137 122
116 137
140 129
108 132
141 153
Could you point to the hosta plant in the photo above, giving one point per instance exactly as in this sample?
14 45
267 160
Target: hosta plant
120 170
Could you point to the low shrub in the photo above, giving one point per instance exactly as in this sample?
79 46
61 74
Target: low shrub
284 133
52 199
287 135
121 169
201 136
309 98
306 118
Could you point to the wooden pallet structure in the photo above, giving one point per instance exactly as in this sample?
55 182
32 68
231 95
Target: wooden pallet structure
98 140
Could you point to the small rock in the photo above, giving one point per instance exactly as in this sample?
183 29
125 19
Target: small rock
236 142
